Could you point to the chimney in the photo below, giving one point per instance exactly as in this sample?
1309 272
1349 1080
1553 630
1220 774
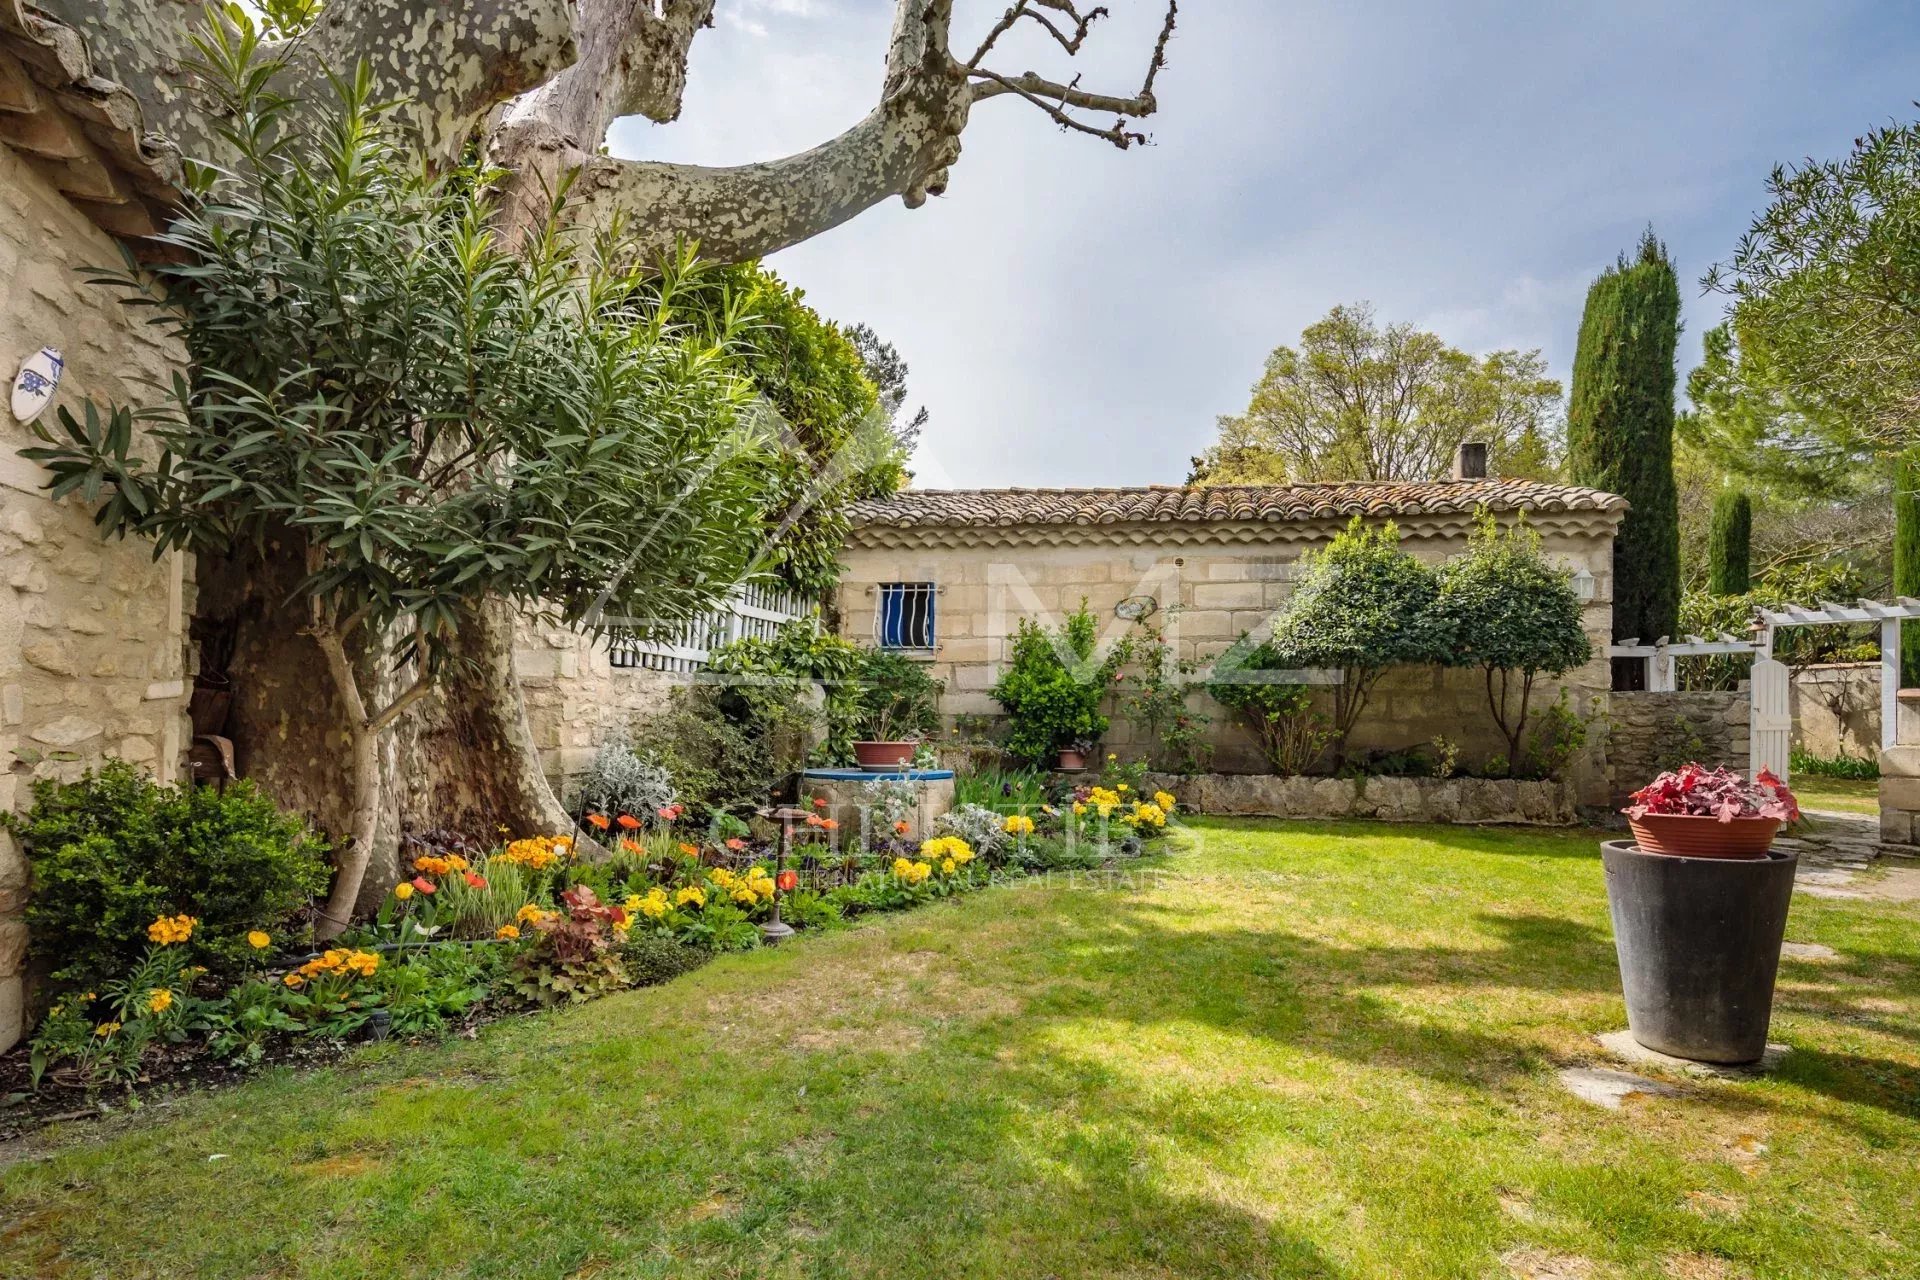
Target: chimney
1470 461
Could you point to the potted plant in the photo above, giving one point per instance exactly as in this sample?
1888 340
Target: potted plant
1700 909
1073 756
1052 689
1696 812
896 705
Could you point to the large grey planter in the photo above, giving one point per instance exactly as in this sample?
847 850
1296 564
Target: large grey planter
1699 947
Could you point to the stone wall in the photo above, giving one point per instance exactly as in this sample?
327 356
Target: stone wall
1457 800
1652 732
1836 709
93 654
1207 595
576 697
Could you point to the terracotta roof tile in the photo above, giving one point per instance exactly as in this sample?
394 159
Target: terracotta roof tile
1269 503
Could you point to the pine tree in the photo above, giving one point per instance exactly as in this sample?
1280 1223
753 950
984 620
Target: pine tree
1620 430
1729 543
1906 557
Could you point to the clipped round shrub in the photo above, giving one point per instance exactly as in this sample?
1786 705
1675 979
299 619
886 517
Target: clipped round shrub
114 851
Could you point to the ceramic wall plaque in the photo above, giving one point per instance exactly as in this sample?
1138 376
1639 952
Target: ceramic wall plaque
34 385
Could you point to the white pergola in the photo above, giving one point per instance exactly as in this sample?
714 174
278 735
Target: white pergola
1659 656
1772 715
1887 613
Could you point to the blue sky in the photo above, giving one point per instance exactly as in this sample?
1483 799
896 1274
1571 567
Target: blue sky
1078 315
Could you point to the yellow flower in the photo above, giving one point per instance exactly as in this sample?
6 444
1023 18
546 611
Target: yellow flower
527 914
159 1000
690 895
259 939
1164 800
170 929
106 1029
294 980
1121 787
947 867
507 932
1019 824
403 891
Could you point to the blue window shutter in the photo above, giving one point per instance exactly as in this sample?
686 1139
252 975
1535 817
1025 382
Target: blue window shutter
892 615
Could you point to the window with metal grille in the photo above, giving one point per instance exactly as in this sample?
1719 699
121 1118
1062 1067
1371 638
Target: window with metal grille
904 619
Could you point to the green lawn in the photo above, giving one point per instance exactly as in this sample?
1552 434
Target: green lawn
1838 795
1292 1050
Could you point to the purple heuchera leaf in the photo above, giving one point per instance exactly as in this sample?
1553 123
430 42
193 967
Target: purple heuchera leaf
1697 791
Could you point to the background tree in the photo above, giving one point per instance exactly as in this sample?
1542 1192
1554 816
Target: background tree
427 420
837 441
1363 605
888 372
534 84
1362 401
1513 615
1620 430
1730 544
1823 289
1819 495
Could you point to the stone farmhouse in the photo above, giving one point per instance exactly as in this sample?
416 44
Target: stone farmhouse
948 574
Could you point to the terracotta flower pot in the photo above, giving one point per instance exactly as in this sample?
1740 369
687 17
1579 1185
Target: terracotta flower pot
884 757
1072 761
1688 835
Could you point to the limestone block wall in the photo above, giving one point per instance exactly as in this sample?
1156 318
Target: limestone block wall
1207 595
1836 709
576 697
1652 732
93 654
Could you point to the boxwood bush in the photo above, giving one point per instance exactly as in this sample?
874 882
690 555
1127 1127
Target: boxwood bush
114 850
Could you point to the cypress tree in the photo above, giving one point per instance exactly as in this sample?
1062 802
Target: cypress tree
1620 430
1906 557
1729 543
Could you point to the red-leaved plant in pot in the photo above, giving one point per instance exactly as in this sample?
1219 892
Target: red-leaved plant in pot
1696 812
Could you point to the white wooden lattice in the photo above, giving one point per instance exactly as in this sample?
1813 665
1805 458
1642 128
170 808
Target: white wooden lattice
749 611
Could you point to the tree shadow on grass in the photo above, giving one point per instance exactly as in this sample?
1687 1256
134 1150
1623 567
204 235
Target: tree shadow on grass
1319 997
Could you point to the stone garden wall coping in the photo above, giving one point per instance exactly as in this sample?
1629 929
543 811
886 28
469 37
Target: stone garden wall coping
1450 800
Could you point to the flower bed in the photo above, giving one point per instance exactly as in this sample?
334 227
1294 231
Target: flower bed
472 935
1463 800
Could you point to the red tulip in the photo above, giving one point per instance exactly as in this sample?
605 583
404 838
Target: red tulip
819 802
599 820
628 822
423 884
788 881
476 881
736 844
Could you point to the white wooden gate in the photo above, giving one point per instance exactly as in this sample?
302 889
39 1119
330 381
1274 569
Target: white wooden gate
1772 723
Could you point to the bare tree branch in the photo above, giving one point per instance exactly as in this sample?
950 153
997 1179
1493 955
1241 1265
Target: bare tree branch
905 147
